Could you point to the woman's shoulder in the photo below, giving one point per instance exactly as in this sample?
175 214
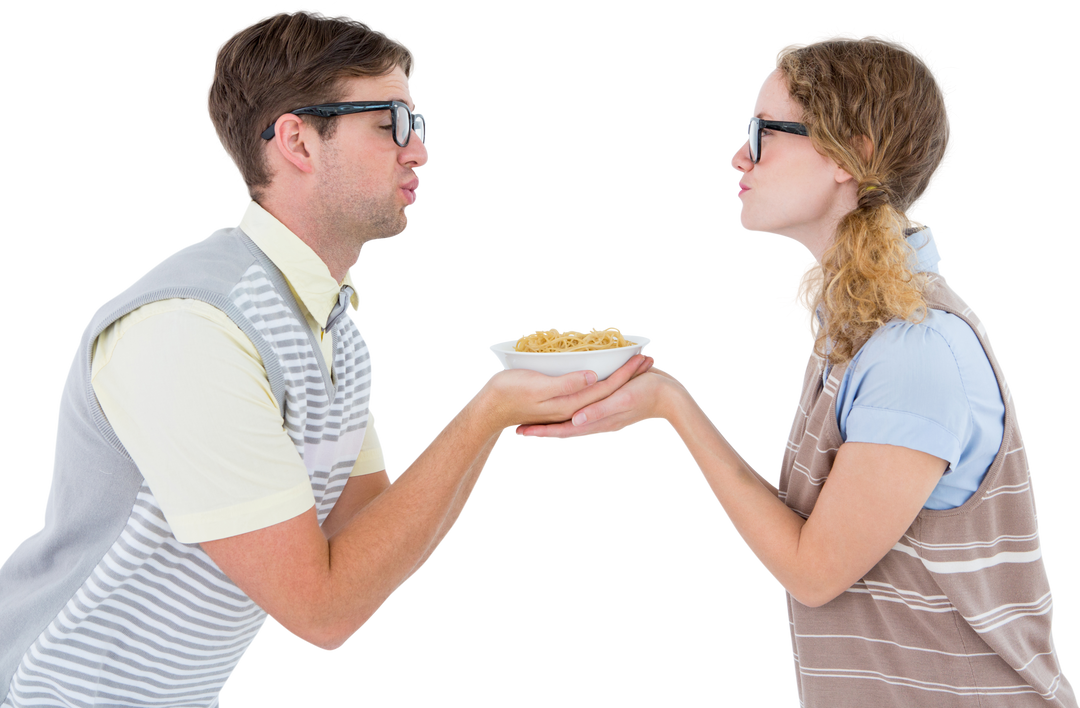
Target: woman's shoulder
940 337
940 321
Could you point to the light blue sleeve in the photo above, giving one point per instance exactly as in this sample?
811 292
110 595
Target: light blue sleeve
927 387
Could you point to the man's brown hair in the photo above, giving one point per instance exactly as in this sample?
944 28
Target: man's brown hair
283 63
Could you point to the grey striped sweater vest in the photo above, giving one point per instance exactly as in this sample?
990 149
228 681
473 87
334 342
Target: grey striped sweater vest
958 612
104 606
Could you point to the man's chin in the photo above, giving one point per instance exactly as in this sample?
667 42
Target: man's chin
392 235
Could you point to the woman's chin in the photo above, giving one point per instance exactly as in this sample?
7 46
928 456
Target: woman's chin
748 222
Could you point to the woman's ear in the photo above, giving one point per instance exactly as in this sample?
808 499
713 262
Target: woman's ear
841 175
865 148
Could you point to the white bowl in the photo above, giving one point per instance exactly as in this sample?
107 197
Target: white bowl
602 362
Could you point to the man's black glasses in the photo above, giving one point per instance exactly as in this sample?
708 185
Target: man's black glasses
757 125
402 121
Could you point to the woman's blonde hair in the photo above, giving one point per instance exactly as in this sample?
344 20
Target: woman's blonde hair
875 109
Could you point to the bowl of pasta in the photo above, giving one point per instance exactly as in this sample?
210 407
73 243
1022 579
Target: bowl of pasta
556 353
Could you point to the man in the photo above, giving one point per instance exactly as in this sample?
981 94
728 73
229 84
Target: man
216 459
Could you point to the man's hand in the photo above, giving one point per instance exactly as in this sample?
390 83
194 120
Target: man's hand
646 396
521 397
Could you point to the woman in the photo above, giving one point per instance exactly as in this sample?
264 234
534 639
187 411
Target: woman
904 527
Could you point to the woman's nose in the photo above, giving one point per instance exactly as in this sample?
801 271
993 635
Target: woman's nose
741 160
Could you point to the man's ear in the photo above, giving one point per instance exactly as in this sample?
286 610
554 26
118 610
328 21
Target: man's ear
290 141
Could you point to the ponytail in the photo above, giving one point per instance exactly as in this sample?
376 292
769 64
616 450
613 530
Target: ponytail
865 277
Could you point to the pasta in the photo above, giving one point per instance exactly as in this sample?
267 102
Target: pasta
555 341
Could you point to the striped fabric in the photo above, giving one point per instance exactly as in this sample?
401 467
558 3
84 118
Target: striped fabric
156 623
958 613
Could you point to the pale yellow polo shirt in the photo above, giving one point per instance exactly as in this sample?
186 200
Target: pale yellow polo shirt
187 394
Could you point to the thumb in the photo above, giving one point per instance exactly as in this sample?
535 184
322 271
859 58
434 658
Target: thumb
569 384
579 380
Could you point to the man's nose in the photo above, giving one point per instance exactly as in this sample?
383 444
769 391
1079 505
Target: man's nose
415 153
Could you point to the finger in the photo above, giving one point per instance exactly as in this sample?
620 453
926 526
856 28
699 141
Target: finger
575 396
645 366
605 388
617 402
528 432
632 365
553 430
601 407
625 372
569 384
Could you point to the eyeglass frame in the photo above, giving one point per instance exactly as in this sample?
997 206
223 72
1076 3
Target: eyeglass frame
782 126
344 108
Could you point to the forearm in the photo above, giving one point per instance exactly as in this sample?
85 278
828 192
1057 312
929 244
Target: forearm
764 482
771 530
388 541
463 493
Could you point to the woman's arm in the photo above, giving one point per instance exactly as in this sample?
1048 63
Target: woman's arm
872 495
766 526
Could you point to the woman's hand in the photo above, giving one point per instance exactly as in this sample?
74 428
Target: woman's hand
522 397
650 394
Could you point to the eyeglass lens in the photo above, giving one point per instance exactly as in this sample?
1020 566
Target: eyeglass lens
405 123
755 139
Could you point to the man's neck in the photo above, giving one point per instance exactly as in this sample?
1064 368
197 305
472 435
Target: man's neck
337 256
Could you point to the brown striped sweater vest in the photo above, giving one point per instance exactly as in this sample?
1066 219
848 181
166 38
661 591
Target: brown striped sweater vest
958 612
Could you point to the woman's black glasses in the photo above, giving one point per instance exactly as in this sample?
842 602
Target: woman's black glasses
755 125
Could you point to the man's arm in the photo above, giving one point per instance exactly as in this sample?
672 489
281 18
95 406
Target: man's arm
360 490
460 501
323 590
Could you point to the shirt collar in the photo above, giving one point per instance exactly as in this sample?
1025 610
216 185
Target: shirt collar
927 258
928 254
306 273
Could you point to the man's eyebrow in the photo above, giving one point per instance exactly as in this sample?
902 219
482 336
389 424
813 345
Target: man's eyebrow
410 104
